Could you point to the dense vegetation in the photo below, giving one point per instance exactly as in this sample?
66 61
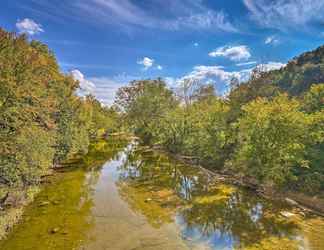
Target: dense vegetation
42 120
269 129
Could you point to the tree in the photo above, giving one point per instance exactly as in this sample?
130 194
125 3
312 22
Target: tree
314 98
144 103
272 137
42 120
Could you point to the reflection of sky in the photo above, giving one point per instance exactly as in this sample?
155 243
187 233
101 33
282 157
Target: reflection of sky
256 212
196 238
186 185
240 217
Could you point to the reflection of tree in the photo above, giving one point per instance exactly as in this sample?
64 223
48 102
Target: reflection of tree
241 216
67 205
154 185
207 209
158 171
102 151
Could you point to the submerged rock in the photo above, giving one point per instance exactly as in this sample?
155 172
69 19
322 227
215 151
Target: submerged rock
55 230
291 202
287 214
44 203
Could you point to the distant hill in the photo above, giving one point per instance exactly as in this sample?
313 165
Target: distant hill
295 79
301 72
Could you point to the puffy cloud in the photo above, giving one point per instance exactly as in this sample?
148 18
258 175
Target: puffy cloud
218 76
281 14
146 62
271 40
149 63
159 67
86 87
214 74
196 44
106 87
29 26
234 53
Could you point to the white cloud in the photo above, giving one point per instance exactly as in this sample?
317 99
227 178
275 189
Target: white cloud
234 53
29 26
146 62
280 14
159 67
218 76
246 63
206 20
149 63
271 66
190 14
196 44
106 87
271 40
86 87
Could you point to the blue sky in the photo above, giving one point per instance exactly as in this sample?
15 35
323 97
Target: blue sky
106 43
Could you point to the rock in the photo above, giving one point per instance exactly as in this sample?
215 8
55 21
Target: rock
302 213
55 230
148 200
291 202
43 203
287 214
13 199
56 202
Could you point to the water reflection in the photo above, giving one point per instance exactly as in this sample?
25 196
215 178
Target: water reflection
60 217
153 202
215 215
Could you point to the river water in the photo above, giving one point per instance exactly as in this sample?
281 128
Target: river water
131 198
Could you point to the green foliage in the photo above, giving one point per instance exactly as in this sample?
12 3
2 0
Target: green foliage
42 120
199 130
272 139
144 104
270 129
314 98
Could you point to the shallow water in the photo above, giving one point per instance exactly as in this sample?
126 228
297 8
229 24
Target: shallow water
131 198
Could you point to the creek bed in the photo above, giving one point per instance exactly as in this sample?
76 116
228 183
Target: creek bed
129 197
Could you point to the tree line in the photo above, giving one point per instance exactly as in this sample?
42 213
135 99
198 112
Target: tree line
269 129
43 122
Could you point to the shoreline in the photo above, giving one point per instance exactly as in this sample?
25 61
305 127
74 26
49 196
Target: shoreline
20 199
14 206
15 200
303 202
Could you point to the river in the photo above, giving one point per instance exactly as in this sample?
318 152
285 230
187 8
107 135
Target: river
129 197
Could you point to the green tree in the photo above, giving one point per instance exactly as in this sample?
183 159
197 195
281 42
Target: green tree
144 104
273 135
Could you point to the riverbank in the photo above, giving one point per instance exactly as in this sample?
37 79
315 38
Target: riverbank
303 202
154 201
12 207
13 201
